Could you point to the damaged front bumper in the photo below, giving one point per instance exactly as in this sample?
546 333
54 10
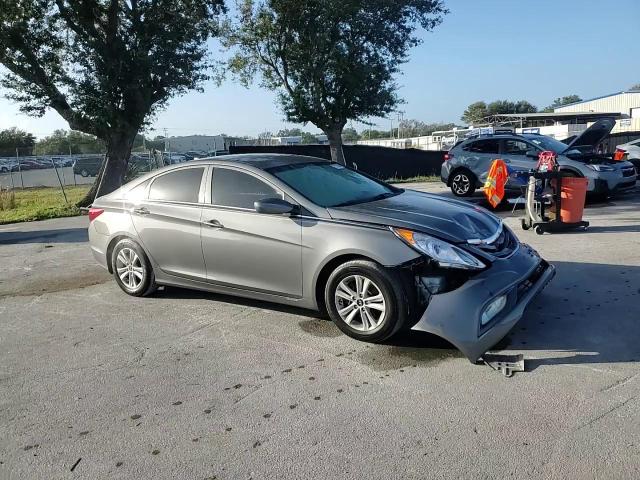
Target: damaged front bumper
456 315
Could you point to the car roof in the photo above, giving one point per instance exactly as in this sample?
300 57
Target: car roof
262 161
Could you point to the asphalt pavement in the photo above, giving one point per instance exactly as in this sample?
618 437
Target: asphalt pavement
96 384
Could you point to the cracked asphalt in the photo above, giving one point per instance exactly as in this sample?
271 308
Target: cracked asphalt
189 385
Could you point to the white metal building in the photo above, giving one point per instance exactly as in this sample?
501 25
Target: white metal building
195 143
626 103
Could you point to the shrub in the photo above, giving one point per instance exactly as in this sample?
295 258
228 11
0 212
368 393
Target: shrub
7 199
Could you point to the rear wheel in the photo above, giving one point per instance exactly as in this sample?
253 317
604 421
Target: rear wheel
131 269
367 301
463 183
84 173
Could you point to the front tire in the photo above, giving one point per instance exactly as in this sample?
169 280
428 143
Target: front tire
367 301
463 183
132 269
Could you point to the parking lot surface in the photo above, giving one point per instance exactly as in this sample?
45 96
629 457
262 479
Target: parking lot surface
193 385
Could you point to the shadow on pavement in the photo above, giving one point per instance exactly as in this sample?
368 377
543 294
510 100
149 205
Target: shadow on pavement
588 314
63 235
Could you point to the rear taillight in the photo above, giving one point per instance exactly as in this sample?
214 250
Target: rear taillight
448 156
619 154
94 213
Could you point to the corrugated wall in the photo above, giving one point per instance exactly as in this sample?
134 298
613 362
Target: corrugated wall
622 102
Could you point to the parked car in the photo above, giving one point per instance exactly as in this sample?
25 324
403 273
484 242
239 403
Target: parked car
632 151
8 165
87 166
467 163
307 232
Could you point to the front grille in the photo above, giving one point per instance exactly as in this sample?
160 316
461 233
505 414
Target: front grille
531 280
502 247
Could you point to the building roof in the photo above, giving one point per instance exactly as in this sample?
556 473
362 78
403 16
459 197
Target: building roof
560 115
634 90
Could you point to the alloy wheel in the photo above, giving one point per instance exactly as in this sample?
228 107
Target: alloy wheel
360 303
461 184
130 269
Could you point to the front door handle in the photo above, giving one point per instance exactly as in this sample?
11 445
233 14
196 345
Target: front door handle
141 211
213 224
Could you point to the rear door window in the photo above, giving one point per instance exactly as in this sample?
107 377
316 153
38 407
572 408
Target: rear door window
489 145
516 147
178 186
232 188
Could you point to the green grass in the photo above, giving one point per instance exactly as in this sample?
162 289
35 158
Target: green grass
422 178
42 203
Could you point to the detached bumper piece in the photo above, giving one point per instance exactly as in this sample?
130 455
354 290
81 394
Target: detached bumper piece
457 315
507 364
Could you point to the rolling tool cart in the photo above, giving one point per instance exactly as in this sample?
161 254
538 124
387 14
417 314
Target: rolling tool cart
547 189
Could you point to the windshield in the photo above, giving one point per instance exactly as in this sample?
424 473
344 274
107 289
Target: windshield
547 143
331 184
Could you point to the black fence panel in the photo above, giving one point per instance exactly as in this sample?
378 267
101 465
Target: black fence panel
380 162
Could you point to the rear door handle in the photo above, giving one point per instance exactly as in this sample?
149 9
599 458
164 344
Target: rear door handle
141 211
213 224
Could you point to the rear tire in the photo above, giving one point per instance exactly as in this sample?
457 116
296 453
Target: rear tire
132 269
463 183
367 301
84 173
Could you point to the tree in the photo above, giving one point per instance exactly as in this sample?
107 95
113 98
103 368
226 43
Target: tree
350 135
635 87
289 132
308 138
63 142
560 101
416 128
330 60
106 66
475 113
14 138
479 111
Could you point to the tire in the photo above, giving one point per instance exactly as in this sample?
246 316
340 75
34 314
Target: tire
84 173
539 230
463 183
373 324
138 280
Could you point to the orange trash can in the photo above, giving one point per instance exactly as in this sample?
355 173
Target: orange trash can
573 194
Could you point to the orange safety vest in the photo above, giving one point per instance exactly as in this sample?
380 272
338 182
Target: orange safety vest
496 179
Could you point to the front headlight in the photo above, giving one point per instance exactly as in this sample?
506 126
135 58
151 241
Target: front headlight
447 255
601 168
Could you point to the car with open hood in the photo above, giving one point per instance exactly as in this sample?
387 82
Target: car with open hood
314 234
467 164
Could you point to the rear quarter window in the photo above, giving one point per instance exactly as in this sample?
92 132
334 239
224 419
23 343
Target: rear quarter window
178 186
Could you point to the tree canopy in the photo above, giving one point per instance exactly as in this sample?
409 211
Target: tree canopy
106 66
479 111
66 142
14 138
330 60
561 101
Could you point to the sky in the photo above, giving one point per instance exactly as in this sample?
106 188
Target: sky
484 50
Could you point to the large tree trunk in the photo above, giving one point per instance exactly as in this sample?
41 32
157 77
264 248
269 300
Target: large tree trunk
334 135
114 168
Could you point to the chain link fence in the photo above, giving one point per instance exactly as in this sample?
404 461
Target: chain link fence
58 171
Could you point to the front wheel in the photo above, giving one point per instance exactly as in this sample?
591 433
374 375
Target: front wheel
132 269
367 301
463 183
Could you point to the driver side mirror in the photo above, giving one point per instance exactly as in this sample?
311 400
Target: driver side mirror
532 154
273 206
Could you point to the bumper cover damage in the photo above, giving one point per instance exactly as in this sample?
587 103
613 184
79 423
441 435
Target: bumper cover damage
455 315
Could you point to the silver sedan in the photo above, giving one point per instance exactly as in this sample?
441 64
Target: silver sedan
306 232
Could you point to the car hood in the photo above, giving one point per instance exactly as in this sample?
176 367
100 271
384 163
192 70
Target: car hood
451 220
592 136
